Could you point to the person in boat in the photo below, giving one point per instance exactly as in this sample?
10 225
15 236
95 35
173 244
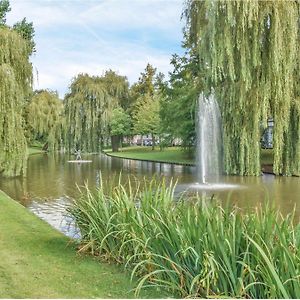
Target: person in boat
78 154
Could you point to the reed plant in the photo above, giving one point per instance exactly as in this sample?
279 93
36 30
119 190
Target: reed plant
191 247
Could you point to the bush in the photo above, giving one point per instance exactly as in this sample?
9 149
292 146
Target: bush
191 247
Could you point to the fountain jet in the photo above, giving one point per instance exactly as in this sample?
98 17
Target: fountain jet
209 139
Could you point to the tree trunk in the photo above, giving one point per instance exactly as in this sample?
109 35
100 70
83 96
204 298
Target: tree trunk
121 142
153 141
115 140
160 144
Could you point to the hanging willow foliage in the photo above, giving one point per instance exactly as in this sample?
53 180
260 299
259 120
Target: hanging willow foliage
15 83
45 118
249 51
84 106
89 107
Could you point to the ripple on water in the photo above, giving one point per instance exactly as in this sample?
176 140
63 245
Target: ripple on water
214 186
54 212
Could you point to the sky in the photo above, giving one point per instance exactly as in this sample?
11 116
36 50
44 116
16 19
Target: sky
91 36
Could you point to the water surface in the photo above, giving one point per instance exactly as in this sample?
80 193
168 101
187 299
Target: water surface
51 183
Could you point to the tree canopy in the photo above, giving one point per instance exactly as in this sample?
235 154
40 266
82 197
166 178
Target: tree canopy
249 55
15 85
146 116
179 99
26 30
4 9
120 122
45 118
89 106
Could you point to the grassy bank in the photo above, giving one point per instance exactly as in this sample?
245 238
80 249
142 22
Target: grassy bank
174 155
192 249
36 261
35 150
35 147
267 156
169 155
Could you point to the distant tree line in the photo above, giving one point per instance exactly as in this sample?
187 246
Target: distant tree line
244 52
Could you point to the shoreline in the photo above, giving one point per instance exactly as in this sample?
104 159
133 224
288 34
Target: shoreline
38 261
265 169
149 160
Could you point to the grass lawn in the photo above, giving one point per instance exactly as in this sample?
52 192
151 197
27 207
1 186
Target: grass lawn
34 150
36 261
171 154
267 156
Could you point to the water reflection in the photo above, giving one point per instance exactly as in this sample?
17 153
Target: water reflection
51 182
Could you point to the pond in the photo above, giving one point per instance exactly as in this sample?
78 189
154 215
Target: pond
52 181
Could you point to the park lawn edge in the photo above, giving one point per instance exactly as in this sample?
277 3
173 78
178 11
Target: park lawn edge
37 261
31 150
130 153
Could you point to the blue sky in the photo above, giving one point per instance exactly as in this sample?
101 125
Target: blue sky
91 36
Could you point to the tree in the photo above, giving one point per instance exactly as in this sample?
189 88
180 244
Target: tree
89 107
26 30
117 87
179 98
120 125
4 9
146 116
15 86
85 106
249 55
145 85
45 118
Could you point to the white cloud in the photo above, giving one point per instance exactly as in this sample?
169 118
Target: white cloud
161 14
92 36
127 60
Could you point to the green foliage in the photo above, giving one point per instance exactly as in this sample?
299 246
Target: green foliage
191 248
117 88
4 9
145 102
26 30
249 55
89 107
15 86
146 115
85 113
179 98
45 118
120 123
146 85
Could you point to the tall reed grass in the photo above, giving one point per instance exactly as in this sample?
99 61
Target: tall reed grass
191 248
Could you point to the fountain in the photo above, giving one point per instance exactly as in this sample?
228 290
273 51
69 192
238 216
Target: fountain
209 140
209 146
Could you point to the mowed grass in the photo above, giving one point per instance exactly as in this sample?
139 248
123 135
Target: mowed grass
173 155
36 261
267 156
169 155
35 150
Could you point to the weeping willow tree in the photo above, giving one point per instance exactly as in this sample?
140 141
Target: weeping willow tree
89 107
15 85
84 106
249 54
117 87
45 118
